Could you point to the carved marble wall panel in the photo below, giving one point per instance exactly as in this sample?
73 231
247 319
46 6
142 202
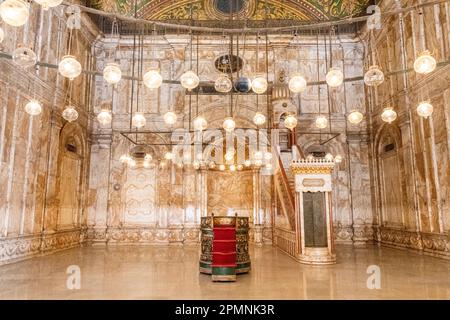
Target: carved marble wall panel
230 193
423 144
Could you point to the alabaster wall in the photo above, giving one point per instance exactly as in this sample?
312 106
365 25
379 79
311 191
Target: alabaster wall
411 182
42 198
172 199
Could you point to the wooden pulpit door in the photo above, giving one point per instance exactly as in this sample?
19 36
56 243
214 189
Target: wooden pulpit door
315 227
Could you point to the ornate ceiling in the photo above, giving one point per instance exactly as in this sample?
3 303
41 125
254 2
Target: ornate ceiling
304 10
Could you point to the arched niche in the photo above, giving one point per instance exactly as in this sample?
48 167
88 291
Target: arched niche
71 176
390 176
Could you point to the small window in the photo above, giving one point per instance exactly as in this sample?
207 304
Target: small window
71 148
389 147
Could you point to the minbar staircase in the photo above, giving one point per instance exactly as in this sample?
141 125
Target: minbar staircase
285 237
224 253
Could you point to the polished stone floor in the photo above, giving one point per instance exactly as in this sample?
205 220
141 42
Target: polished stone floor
145 272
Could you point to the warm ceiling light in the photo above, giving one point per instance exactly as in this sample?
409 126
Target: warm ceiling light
388 115
69 67
200 123
46 4
338 159
24 57
168 156
247 163
104 117
335 77
148 157
232 167
290 122
355 117
138 120
223 84
229 155
374 76
297 83
258 155
124 158
189 80
329 157
259 84
321 122
258 163
425 109
33 108
112 73
239 167
70 113
131 163
2 35
425 63
152 79
14 12
170 118
212 165
259 119
147 164
229 124
222 167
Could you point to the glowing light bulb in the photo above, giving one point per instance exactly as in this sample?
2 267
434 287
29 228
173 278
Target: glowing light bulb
24 57
170 118
148 157
229 124
321 122
232 167
112 73
425 63
70 113
297 83
47 4
104 117
69 67
338 159
259 119
33 108
152 79
138 120
259 84
329 157
425 109
200 123
355 117
258 155
247 163
168 156
124 158
374 76
239 167
14 12
212 165
388 115
222 167
335 77
223 84
258 163
290 122
229 155
189 80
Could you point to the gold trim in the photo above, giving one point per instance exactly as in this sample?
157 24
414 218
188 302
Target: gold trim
312 170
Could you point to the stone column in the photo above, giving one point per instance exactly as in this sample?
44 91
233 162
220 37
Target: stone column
99 188
257 219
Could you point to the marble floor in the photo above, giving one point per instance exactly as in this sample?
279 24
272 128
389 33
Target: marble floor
146 272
